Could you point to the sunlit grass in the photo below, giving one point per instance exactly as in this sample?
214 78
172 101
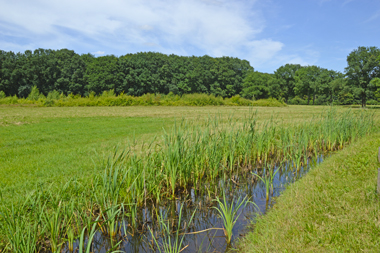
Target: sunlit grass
180 159
334 208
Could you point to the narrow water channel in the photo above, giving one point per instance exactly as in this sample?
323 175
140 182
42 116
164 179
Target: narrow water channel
206 218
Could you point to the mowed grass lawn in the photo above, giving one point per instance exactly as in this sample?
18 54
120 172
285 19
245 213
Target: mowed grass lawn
40 145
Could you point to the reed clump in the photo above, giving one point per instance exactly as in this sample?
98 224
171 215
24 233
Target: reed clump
229 213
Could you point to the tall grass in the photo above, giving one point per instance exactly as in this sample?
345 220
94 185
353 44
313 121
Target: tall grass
192 156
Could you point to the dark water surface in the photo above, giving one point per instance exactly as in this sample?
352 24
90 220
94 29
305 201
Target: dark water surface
205 217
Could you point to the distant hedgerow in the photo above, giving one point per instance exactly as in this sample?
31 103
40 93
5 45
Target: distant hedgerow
108 98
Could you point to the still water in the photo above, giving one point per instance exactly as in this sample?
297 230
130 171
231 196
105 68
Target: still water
204 233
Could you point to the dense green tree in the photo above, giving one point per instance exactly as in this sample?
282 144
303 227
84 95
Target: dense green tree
363 66
307 82
102 74
285 78
2 59
64 71
327 91
376 83
13 73
257 85
70 71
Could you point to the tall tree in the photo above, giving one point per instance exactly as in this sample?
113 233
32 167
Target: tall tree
307 82
363 66
257 85
102 74
285 78
326 89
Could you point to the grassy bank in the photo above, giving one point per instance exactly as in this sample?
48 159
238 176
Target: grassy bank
333 209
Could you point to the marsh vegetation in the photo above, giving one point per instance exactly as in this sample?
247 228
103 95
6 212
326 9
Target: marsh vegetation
190 160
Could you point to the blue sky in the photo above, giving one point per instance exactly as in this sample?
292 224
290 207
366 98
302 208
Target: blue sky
267 33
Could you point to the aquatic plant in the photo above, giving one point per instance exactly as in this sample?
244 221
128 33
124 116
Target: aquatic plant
169 244
22 233
267 179
54 223
91 234
229 213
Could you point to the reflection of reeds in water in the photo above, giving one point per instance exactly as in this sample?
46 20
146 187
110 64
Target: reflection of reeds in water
185 160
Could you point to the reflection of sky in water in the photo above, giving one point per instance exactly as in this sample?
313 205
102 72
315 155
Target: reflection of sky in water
205 216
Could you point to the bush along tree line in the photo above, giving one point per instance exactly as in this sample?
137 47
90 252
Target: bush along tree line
63 73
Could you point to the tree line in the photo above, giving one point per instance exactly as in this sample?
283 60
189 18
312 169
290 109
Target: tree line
296 84
133 74
66 72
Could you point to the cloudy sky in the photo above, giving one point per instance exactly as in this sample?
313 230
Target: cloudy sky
268 33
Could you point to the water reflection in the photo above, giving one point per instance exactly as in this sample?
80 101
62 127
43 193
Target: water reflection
202 234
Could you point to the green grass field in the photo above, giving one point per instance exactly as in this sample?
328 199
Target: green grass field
43 145
50 145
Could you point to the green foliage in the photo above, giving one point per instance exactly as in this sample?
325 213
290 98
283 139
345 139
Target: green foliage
2 94
132 74
297 101
373 102
363 66
258 86
34 94
137 75
376 84
229 213
109 98
53 95
307 81
171 245
285 78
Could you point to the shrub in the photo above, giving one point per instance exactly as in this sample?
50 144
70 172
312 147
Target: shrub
297 101
108 98
270 102
34 94
53 95
373 102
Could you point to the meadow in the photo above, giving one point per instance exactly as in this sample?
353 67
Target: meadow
44 145
63 161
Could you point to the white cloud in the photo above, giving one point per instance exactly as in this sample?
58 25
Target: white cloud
98 53
146 27
197 27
